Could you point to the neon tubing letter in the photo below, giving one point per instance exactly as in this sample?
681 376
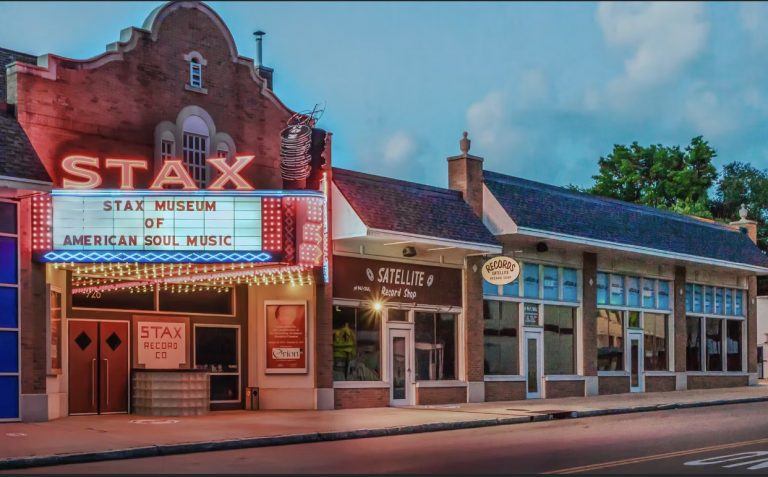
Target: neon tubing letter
230 173
126 170
73 165
173 172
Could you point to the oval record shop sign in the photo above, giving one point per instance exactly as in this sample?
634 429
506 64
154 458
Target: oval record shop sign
501 270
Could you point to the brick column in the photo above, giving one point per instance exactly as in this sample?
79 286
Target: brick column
678 316
32 306
324 337
473 328
589 313
751 344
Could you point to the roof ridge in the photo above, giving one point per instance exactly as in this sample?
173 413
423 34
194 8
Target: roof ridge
400 182
629 205
17 52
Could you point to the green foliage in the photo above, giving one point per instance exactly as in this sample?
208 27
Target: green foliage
659 176
741 183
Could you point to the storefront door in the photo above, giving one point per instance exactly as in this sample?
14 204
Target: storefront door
98 367
635 361
401 367
533 363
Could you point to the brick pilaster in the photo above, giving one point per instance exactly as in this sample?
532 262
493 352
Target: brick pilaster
473 318
678 316
589 316
751 344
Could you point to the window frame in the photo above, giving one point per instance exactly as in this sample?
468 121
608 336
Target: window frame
195 73
18 328
702 317
382 320
239 358
625 310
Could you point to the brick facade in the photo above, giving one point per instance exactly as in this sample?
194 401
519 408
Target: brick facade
680 339
452 395
559 389
613 384
473 319
504 390
589 314
360 398
659 383
711 382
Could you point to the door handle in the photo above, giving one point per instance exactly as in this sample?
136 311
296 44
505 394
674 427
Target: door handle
93 382
107 361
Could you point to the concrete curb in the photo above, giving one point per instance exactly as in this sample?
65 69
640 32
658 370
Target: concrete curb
267 441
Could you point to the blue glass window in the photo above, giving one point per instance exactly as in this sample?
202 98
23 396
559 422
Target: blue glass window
617 289
9 352
697 298
709 299
649 293
511 289
489 289
719 301
602 288
633 291
663 295
9 303
9 397
8 218
531 279
738 308
688 297
570 285
551 283
8 262
728 301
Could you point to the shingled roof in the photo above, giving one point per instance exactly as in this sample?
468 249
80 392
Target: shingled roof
406 207
18 158
548 208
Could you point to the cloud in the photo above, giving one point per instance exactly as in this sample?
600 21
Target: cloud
754 19
398 148
663 38
708 115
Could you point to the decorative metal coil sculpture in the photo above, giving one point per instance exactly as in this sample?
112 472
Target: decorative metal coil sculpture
296 144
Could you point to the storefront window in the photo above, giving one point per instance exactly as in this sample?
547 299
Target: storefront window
714 344
733 350
435 336
551 283
602 288
688 297
617 289
121 299
213 301
610 341
570 285
697 298
500 337
512 289
728 301
357 344
559 339
216 352
54 315
709 299
8 272
655 332
738 310
531 279
663 295
633 319
396 314
649 293
633 292
693 344
719 309
489 289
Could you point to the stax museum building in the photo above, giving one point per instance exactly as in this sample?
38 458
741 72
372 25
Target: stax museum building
174 240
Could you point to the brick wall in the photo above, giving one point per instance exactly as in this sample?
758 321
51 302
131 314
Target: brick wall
558 389
589 313
473 319
453 395
751 344
613 384
360 398
113 107
710 382
678 316
659 383
504 390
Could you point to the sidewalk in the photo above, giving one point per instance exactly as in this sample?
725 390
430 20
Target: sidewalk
92 438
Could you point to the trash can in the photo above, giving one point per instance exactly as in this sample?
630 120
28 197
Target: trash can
253 398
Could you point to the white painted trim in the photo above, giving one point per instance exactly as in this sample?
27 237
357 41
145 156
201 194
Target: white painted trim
389 234
6 181
639 250
660 373
500 378
346 222
360 384
495 218
441 384
564 377
612 373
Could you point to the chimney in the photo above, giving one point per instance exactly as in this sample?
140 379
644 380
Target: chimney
264 72
465 174
745 225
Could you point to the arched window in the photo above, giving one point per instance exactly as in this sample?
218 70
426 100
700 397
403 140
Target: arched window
195 73
195 148
167 146
222 150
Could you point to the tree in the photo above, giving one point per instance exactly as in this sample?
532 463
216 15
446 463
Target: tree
742 183
666 177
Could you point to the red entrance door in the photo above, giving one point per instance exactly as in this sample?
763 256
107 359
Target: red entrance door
98 367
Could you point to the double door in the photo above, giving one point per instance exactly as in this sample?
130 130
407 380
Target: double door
98 367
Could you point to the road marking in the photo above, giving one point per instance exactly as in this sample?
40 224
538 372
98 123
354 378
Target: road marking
648 458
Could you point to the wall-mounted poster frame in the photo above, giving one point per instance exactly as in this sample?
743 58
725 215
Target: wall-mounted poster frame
285 336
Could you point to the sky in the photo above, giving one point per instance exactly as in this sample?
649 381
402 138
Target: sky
544 89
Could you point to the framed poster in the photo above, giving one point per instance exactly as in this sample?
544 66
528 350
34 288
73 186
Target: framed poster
286 337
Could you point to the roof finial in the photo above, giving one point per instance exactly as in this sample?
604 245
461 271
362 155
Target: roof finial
743 212
464 144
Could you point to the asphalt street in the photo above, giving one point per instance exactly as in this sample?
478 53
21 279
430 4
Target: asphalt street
722 439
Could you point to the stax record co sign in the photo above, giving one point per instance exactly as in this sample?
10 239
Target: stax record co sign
501 270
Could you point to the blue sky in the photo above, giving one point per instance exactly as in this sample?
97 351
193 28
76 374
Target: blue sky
544 89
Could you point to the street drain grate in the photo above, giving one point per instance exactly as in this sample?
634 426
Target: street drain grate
555 413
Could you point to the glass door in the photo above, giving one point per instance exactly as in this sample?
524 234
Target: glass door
533 363
635 361
400 367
